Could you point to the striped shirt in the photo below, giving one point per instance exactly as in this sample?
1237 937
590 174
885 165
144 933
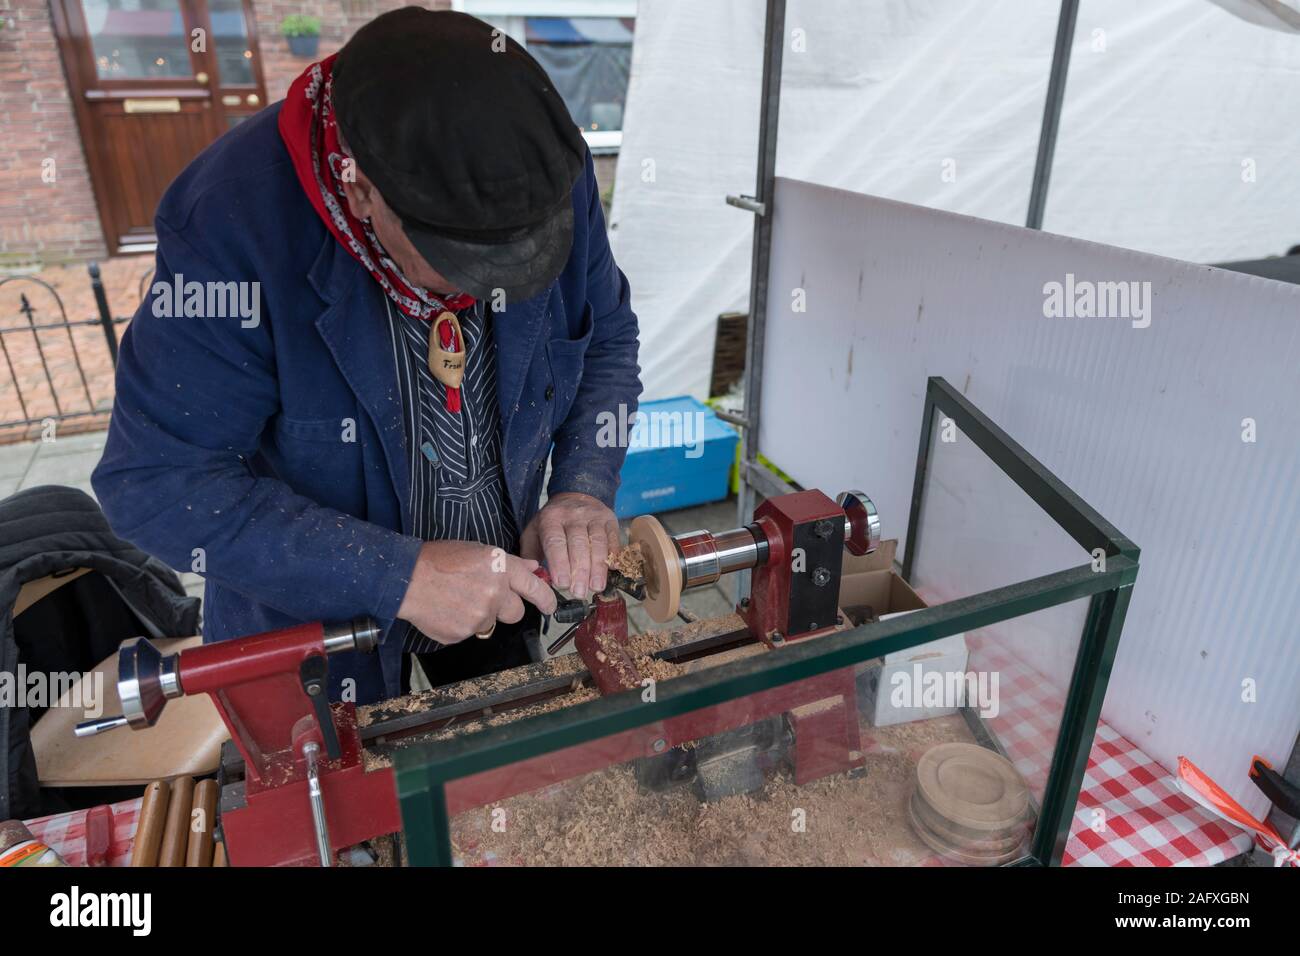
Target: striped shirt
458 490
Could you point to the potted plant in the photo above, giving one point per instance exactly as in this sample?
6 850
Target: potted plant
303 33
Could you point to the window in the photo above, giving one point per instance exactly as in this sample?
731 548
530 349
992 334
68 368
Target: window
137 39
586 47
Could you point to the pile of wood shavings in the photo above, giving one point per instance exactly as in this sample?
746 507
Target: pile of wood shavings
381 755
646 664
612 653
641 650
656 668
605 819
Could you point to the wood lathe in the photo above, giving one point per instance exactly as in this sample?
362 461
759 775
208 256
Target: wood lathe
300 780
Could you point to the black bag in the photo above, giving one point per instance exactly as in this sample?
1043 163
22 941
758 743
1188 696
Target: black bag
53 530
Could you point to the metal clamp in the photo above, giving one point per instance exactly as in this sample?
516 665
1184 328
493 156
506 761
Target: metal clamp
749 204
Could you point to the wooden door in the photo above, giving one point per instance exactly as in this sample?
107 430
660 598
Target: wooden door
153 82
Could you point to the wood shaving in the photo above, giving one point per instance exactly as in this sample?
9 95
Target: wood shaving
628 560
640 653
614 654
467 690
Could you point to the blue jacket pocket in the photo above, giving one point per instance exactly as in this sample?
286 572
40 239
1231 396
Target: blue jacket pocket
566 359
321 459
315 430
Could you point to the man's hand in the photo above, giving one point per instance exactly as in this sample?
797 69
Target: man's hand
575 533
459 588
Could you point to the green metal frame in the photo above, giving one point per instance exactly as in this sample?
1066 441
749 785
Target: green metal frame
422 771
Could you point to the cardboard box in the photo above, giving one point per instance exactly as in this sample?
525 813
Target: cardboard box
871 580
901 686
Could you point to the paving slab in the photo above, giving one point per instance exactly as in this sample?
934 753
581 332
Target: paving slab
71 468
16 459
87 443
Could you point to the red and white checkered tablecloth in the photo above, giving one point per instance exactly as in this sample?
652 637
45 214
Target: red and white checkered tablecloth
65 833
1130 813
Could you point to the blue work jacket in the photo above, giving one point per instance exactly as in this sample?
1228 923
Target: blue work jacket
270 456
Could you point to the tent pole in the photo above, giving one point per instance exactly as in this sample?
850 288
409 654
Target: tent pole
770 106
1052 112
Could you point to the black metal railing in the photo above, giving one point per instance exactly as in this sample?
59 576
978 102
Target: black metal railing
42 393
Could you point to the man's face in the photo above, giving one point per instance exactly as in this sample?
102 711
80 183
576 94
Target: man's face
366 203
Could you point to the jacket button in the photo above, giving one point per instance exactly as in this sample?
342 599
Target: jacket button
550 392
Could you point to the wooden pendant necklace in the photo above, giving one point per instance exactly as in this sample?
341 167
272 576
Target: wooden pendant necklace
447 356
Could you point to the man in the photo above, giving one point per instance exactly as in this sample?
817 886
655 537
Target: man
434 305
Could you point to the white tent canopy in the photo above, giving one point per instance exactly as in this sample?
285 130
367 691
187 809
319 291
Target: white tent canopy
1178 134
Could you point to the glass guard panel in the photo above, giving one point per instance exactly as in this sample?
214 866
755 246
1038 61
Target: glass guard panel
978 529
933 756
137 39
1019 672
958 736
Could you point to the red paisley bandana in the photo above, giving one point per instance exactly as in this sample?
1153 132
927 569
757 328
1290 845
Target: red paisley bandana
310 133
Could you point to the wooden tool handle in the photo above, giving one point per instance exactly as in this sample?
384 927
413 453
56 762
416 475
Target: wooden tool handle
149 824
176 831
203 818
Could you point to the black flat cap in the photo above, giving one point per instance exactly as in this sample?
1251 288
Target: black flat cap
468 142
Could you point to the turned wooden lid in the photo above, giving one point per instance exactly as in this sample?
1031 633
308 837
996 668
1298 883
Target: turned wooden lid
972 787
978 842
968 856
663 570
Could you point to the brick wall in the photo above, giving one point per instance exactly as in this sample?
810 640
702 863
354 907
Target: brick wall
50 221
55 222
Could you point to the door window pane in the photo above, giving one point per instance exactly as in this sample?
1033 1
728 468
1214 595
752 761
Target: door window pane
230 41
137 39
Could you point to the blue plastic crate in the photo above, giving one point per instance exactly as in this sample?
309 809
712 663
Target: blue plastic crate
679 454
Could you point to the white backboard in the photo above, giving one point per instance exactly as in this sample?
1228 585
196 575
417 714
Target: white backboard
1146 416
